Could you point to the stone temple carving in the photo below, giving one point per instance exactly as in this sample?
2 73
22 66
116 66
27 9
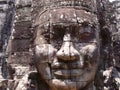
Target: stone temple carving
67 43
60 45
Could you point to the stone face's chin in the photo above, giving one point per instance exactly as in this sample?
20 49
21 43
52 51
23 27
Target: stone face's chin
67 84
57 84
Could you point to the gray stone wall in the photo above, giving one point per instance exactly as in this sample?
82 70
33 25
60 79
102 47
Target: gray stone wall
19 48
109 18
6 20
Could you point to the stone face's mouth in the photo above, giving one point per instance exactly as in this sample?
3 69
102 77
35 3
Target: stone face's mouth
70 70
67 65
68 74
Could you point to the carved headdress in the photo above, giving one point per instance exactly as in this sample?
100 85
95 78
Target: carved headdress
89 5
40 6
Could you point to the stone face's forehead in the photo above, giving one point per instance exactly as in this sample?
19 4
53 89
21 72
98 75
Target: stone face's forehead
67 15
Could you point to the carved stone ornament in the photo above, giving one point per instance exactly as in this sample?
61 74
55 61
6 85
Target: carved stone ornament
67 43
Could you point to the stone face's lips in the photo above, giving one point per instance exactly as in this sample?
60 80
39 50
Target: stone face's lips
67 65
68 73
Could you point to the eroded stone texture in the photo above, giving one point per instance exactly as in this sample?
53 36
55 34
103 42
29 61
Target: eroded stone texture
19 47
66 46
115 27
109 23
67 43
6 19
20 41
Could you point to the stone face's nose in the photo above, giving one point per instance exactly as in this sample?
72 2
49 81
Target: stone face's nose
67 51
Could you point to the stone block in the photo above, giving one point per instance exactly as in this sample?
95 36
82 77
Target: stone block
20 3
3 7
3 1
22 30
18 45
20 58
23 14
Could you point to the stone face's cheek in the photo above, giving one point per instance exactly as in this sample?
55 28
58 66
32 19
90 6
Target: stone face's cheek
45 71
43 58
88 50
44 53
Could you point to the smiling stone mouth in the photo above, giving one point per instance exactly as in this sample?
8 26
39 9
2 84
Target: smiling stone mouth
68 73
66 65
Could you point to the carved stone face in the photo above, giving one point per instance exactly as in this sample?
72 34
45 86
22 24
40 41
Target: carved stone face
67 48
